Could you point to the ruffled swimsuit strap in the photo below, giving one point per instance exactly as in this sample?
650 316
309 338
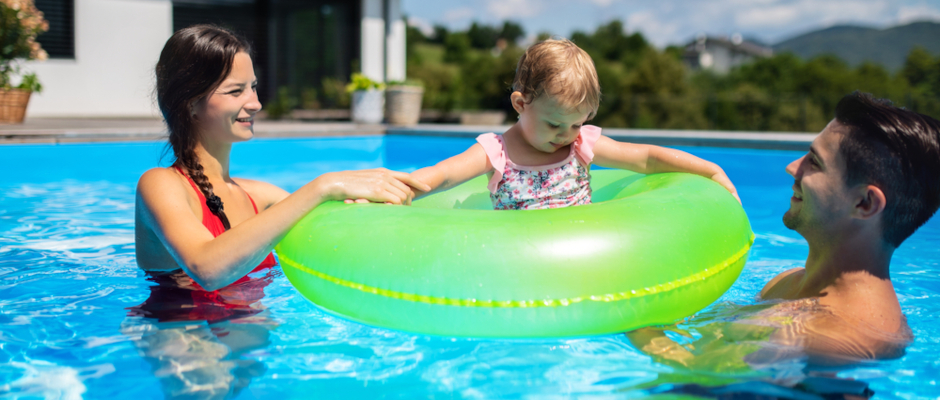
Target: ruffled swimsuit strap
493 146
584 144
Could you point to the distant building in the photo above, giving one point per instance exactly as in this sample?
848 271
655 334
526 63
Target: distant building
720 54
103 52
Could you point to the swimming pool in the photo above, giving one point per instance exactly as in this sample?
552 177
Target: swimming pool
68 275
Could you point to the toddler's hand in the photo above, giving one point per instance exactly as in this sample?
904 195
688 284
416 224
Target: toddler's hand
360 201
375 185
420 187
723 180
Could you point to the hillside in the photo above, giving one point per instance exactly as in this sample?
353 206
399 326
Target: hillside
856 44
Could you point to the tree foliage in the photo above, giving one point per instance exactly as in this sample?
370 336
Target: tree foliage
643 87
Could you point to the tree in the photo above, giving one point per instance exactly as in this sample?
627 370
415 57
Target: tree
413 37
919 67
774 74
659 87
610 42
440 34
456 47
482 36
874 79
511 32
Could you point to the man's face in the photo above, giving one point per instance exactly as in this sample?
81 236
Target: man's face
821 204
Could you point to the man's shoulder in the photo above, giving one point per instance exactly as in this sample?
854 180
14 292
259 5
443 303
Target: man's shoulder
783 285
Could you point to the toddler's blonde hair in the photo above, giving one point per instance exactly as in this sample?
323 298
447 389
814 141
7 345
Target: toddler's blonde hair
558 68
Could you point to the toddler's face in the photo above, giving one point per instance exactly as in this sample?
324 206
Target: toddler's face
549 126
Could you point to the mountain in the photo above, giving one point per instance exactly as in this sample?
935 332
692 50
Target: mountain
856 44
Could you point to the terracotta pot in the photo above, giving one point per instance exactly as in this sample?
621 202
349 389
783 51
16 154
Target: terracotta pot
403 105
13 105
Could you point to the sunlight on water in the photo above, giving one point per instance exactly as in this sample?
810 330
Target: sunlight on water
68 276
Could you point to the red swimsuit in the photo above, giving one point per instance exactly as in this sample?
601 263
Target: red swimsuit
214 224
177 297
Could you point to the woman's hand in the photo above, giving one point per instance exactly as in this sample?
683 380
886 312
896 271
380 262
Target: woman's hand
375 185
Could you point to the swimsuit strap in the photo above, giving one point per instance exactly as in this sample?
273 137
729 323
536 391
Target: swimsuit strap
493 147
251 200
584 145
214 224
202 198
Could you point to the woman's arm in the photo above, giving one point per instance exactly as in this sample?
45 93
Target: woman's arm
214 262
453 171
649 159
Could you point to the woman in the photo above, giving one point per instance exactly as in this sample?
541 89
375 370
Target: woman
206 92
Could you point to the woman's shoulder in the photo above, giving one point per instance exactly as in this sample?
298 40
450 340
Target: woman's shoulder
263 193
164 190
158 178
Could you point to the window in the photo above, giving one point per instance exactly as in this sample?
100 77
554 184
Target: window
59 41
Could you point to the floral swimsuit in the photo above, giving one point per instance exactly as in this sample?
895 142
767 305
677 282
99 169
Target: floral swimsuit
562 184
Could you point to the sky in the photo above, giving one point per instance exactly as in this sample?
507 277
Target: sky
666 22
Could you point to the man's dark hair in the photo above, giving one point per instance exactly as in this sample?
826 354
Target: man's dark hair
899 152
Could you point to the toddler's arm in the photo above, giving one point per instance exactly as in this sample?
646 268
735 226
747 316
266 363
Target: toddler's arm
649 159
453 171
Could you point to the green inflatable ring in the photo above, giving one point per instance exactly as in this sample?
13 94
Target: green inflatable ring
651 249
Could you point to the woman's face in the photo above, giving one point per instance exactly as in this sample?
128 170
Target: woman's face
228 113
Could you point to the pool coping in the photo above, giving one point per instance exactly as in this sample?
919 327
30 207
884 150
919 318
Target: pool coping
661 137
54 131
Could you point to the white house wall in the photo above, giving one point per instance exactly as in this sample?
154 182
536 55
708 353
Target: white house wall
395 43
117 44
372 56
382 54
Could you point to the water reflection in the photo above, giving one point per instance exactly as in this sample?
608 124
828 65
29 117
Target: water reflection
195 340
791 349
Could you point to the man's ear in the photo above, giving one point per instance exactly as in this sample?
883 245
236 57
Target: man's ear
518 101
871 201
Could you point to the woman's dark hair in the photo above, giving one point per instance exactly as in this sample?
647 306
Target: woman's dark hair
899 152
193 63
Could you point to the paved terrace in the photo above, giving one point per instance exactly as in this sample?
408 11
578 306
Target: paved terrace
41 130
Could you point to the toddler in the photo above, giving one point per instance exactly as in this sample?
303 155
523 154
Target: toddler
544 160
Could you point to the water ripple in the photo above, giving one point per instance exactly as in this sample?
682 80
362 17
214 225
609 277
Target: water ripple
68 273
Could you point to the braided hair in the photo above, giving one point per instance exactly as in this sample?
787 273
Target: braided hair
192 65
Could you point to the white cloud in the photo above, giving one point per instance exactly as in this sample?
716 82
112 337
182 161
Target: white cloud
422 25
921 12
513 9
458 14
770 16
809 12
658 32
666 22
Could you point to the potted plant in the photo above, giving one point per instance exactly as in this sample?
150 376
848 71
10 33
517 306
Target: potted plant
20 23
368 99
403 102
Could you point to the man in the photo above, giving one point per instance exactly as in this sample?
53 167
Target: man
870 179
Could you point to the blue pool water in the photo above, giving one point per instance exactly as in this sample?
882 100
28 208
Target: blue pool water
68 274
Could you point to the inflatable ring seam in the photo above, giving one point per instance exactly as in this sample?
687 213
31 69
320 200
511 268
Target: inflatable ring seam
609 297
